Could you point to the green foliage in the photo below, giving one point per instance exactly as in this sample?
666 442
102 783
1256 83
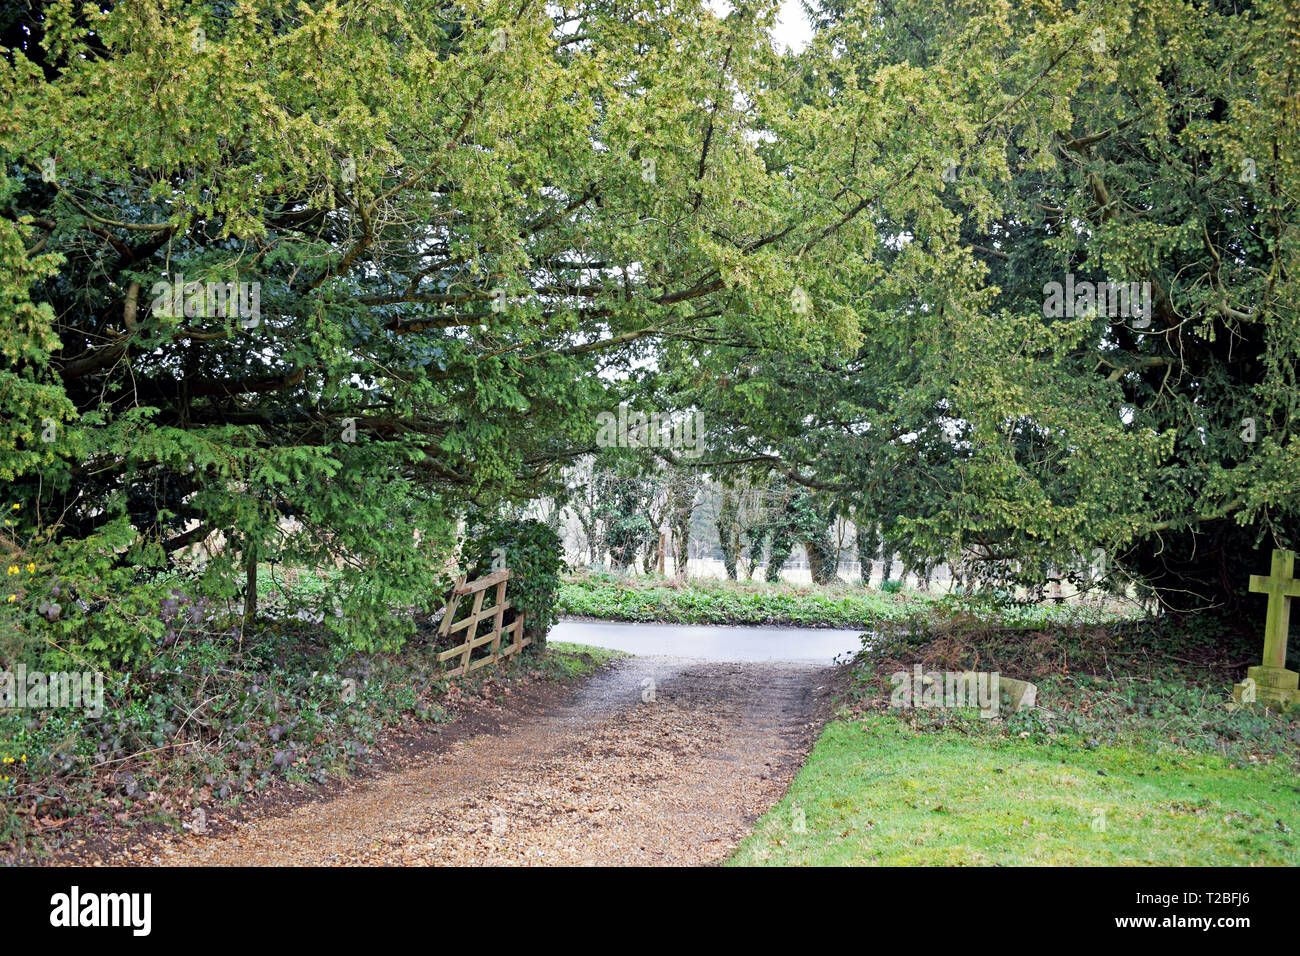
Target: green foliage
623 497
996 149
442 280
450 291
796 515
722 602
534 555
907 615
208 721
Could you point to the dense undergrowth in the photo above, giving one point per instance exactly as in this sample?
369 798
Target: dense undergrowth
1159 684
714 601
215 719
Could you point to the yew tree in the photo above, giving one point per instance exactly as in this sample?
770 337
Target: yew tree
943 396
458 221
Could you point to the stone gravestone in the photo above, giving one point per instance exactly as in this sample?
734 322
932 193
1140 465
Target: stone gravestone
1270 682
1018 694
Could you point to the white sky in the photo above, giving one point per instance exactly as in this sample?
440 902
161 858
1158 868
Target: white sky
792 28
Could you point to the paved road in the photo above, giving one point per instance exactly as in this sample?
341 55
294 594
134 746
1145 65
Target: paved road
706 642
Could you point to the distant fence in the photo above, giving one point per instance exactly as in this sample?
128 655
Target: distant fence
491 639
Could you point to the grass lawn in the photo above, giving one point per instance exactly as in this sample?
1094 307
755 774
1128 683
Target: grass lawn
1129 757
878 792
564 660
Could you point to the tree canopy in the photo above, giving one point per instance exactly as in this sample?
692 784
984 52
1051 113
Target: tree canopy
1148 143
318 275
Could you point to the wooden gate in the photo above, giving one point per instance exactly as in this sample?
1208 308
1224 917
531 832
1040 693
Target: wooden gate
473 639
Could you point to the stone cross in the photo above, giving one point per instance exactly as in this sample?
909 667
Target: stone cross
1271 682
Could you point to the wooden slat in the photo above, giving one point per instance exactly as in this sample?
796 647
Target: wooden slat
496 623
451 652
483 583
478 642
481 616
451 608
469 635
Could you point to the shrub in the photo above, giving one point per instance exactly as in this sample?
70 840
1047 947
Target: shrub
535 556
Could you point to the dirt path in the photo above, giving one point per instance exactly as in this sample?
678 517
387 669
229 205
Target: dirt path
628 772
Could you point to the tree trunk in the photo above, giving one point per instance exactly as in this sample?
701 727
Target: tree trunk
729 534
778 552
822 561
250 582
868 546
679 522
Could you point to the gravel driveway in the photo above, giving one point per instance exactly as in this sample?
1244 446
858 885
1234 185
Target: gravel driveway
654 761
